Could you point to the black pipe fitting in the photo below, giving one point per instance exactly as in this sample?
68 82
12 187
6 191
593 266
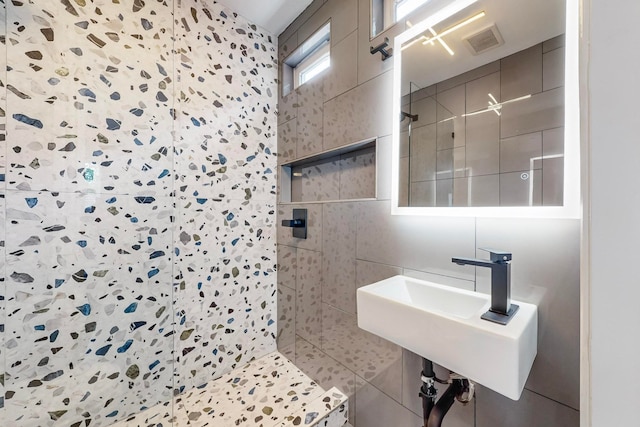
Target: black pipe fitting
453 392
434 409
428 391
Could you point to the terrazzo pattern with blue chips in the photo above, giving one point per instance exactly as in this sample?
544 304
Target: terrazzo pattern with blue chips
268 392
138 174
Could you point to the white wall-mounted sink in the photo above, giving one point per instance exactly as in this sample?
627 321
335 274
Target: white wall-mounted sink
443 324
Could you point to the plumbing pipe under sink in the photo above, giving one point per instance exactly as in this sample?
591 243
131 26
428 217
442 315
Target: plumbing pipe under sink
433 412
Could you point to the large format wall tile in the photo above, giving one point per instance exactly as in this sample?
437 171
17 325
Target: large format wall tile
384 168
423 153
343 15
286 338
485 190
343 74
2 301
375 409
370 272
3 95
367 355
225 234
544 110
483 144
326 371
339 256
521 153
420 243
521 188
309 117
3 108
345 177
90 307
286 46
287 266
521 73
346 122
226 107
323 369
309 296
301 19
532 410
553 69
224 267
91 99
424 107
544 271
443 280
287 106
287 141
553 166
480 91
450 112
113 121
358 175
316 181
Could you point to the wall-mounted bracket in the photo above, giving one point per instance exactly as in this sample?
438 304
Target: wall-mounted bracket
382 48
404 115
298 223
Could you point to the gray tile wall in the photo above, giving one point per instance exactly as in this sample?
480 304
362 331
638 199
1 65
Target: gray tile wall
354 243
341 177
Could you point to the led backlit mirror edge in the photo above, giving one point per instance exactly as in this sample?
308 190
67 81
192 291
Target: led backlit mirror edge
571 207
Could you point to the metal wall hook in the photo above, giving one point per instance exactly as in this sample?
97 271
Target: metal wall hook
382 48
298 223
404 115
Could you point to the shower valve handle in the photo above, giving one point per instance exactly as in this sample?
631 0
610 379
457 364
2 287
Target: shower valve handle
295 223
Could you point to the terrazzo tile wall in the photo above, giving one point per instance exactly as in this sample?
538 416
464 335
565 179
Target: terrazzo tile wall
3 100
354 243
140 202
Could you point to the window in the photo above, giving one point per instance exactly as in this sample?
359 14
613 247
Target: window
309 60
312 65
385 13
405 7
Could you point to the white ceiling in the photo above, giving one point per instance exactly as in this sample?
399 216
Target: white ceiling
273 15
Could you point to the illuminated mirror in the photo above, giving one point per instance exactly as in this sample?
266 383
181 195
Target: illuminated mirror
486 110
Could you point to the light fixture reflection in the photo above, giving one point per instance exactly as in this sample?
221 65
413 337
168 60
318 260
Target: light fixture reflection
497 106
444 45
493 103
455 27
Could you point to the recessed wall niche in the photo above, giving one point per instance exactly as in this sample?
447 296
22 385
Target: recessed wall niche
343 173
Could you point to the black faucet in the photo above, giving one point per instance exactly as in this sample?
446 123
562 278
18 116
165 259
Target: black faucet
499 262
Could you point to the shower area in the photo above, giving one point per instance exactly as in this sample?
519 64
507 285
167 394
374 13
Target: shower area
138 205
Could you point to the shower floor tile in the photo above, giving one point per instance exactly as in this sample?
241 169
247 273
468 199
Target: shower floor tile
268 392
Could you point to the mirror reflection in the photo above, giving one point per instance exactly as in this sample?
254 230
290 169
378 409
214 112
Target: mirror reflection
482 108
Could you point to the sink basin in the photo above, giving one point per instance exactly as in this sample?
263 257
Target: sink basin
443 324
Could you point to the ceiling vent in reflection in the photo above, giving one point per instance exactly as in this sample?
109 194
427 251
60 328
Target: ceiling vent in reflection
484 40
